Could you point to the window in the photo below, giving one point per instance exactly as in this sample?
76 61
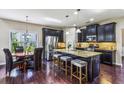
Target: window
26 40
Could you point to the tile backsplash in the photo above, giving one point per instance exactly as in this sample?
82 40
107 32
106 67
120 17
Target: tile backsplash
102 45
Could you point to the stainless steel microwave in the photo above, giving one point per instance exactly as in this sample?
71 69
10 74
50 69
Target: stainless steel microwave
91 38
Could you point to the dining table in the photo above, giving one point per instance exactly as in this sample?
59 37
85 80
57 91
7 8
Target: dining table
23 55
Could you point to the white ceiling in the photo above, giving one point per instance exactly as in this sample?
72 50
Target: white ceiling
56 17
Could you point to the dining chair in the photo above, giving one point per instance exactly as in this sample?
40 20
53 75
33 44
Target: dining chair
10 64
19 49
36 63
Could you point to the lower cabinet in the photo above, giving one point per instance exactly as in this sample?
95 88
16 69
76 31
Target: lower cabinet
107 57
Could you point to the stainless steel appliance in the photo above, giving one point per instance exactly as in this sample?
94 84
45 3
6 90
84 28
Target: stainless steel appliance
91 38
50 44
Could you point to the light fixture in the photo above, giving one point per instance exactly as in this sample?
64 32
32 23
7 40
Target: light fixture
92 19
26 35
76 12
74 24
78 30
67 33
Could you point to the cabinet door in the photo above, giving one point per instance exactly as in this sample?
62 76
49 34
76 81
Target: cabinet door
92 29
100 33
60 36
80 37
110 32
83 35
89 31
107 58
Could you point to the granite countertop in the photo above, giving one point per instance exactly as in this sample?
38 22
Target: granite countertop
80 53
104 49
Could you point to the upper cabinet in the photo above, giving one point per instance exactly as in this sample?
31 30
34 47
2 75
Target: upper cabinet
110 32
60 36
52 32
106 32
92 29
82 36
91 32
100 33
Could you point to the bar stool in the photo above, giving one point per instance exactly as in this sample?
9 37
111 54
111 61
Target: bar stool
79 74
56 59
64 63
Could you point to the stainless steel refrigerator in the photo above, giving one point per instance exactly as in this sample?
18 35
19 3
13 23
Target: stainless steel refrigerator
50 44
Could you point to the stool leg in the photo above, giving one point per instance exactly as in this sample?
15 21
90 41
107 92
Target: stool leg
58 63
71 71
86 73
53 61
66 68
80 75
77 71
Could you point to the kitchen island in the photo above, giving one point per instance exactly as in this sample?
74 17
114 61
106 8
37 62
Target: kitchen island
92 58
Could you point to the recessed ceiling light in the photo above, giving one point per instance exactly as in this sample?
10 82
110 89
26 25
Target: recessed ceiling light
67 33
92 19
74 24
76 12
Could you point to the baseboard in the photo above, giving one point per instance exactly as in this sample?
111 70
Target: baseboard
2 63
118 64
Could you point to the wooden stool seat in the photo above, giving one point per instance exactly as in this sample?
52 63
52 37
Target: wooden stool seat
78 63
65 58
79 74
56 55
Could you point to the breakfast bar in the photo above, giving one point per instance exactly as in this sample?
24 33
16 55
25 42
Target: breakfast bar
92 59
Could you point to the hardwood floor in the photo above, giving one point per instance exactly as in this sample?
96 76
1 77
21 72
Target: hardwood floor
48 75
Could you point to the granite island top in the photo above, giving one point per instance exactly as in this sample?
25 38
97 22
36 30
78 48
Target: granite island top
80 53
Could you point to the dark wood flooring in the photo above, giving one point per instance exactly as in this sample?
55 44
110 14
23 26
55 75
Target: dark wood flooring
48 75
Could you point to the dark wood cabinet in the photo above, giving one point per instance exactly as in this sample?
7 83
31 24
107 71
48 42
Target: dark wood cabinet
60 36
106 33
100 33
91 32
107 57
92 29
109 32
82 36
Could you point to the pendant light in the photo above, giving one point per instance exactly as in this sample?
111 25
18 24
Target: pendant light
26 34
67 16
77 28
